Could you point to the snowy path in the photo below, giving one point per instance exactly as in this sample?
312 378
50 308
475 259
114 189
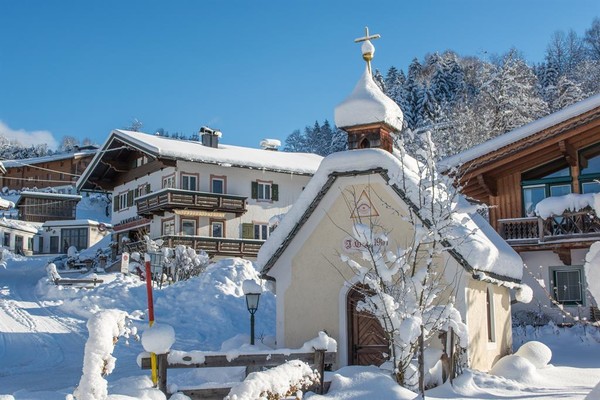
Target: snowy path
35 338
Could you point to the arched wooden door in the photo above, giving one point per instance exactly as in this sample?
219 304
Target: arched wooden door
366 339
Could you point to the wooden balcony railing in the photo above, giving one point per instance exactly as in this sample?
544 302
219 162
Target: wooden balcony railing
217 246
582 224
170 199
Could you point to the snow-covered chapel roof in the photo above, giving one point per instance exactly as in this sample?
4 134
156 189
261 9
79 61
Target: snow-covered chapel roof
368 104
476 246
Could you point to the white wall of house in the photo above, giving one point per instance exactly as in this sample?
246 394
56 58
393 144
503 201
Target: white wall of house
540 273
44 240
11 235
236 181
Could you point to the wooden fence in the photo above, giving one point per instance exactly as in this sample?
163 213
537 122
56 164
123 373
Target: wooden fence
253 362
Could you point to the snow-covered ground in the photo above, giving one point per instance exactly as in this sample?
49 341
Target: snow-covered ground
43 334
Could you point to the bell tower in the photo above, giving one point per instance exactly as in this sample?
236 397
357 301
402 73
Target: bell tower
368 116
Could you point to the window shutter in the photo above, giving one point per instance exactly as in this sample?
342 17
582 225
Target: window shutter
254 193
247 231
116 203
275 192
147 188
130 198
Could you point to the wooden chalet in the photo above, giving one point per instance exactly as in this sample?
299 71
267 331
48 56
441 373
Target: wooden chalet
554 156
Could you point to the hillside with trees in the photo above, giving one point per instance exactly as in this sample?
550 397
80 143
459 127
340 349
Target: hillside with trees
465 100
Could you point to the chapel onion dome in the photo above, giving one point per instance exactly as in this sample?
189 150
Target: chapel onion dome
367 104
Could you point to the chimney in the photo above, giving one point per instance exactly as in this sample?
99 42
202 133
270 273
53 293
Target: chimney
210 137
270 144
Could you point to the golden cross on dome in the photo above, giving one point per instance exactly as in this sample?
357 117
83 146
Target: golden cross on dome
367 48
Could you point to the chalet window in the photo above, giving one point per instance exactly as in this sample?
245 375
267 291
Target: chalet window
589 172
77 237
567 285
6 242
188 227
217 229
189 182
551 179
168 181
265 191
217 185
261 231
168 227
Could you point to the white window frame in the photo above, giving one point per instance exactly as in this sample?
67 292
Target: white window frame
263 194
168 181
261 231
168 227
189 178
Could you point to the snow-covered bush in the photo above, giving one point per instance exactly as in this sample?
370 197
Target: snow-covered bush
104 328
516 368
184 262
283 381
536 352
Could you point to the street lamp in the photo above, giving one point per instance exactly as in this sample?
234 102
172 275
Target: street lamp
252 291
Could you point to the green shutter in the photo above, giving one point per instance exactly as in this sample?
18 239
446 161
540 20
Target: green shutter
275 192
254 194
147 188
247 231
130 198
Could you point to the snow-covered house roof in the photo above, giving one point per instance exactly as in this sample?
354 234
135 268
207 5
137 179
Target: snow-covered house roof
6 204
47 195
367 104
30 227
75 222
190 150
54 157
548 122
484 250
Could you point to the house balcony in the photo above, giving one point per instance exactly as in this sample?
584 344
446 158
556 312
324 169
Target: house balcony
224 247
580 226
170 199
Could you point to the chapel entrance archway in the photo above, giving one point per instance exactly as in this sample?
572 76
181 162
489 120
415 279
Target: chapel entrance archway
366 339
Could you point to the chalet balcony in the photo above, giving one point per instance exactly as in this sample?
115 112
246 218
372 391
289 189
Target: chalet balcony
225 247
171 199
579 225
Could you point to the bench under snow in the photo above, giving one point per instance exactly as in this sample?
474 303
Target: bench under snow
55 277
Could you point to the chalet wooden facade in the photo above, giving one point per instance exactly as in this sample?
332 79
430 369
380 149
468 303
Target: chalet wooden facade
58 171
42 206
555 156
206 195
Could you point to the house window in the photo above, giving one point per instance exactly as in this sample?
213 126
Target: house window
489 301
77 237
217 229
567 285
188 227
189 182
6 241
551 179
168 182
217 185
265 191
589 169
168 227
261 231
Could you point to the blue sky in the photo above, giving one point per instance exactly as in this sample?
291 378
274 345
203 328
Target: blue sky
252 69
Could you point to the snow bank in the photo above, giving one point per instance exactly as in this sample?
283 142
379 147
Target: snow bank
158 339
364 383
516 368
536 352
284 380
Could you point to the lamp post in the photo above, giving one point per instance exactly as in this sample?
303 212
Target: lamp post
252 291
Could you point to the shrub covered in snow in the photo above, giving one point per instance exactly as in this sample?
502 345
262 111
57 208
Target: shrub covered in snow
536 352
277 383
516 368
